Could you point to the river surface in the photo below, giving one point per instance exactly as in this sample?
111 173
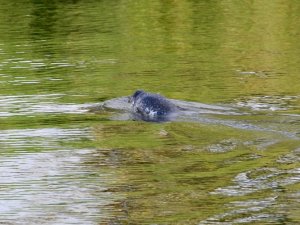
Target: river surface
232 158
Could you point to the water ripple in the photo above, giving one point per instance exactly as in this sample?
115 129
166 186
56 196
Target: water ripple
32 104
249 182
242 209
35 185
43 138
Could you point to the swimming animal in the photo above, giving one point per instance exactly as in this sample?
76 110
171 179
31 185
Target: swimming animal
151 107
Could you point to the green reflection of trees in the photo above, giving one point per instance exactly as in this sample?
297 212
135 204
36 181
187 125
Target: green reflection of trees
163 44
185 49
169 171
198 48
258 39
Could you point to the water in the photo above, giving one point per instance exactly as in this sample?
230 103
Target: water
233 160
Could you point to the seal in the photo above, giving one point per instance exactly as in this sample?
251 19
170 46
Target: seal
151 107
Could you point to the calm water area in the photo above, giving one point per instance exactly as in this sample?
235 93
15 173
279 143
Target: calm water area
60 163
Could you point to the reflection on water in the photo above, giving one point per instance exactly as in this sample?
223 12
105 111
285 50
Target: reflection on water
45 138
273 103
271 179
54 184
56 187
240 208
33 104
232 158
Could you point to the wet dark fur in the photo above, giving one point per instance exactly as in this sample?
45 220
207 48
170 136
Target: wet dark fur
151 107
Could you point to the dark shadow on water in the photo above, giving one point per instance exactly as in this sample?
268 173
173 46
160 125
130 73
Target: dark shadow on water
44 20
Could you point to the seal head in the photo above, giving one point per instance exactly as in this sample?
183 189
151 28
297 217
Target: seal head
151 107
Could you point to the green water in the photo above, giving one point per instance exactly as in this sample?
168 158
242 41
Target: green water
60 164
